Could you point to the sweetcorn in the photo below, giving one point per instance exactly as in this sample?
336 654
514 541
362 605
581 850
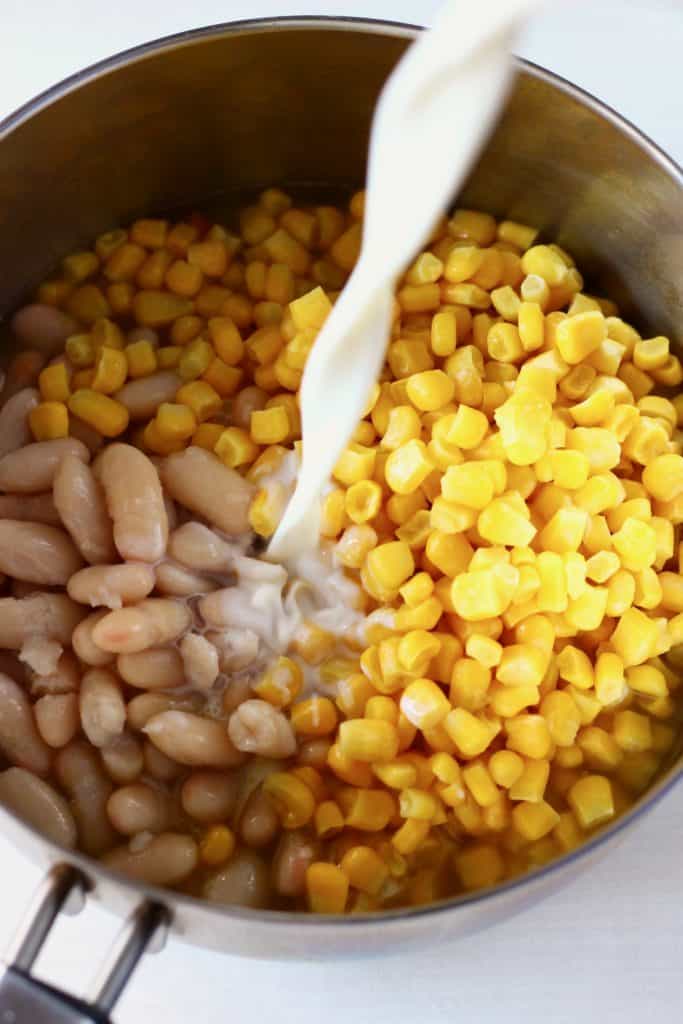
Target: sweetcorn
509 505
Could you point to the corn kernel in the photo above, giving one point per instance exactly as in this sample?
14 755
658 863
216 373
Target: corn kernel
484 649
327 888
363 500
506 767
651 354
532 782
53 383
224 379
365 869
647 680
269 426
444 333
484 594
168 357
109 417
534 820
521 235
632 731
80 350
591 800
355 463
280 683
544 262
217 845
410 836
636 545
328 819
141 358
175 422
369 810
471 735
201 398
479 866
480 783
49 421
235 448
424 704
663 477
529 735
368 740
292 799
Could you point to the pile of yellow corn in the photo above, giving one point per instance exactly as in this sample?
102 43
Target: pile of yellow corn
512 497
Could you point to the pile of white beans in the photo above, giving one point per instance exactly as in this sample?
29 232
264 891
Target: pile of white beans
133 626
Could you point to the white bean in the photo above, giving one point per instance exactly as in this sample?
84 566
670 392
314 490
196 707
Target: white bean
294 853
259 822
22 372
111 585
256 727
248 400
166 859
54 616
36 553
14 429
135 502
152 623
237 691
20 741
32 469
41 655
143 397
228 608
84 644
199 481
103 711
43 327
65 678
123 758
157 668
175 581
171 512
199 548
80 501
34 508
160 767
143 707
314 752
39 804
10 665
242 882
80 774
21 589
250 776
92 440
237 648
209 797
192 740
57 718
138 808
200 661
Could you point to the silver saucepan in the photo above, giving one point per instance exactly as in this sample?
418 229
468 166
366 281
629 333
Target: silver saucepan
209 115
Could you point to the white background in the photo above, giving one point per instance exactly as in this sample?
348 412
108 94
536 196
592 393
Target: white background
603 950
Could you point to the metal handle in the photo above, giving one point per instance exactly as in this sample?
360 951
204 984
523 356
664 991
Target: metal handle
25 999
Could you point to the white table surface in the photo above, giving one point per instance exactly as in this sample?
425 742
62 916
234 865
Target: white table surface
607 948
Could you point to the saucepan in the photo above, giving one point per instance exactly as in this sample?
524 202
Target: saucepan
210 117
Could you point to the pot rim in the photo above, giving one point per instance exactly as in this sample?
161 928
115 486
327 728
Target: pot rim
374 920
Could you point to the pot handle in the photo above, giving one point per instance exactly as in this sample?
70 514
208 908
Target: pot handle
24 999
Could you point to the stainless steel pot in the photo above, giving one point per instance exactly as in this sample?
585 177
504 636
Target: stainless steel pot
203 118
